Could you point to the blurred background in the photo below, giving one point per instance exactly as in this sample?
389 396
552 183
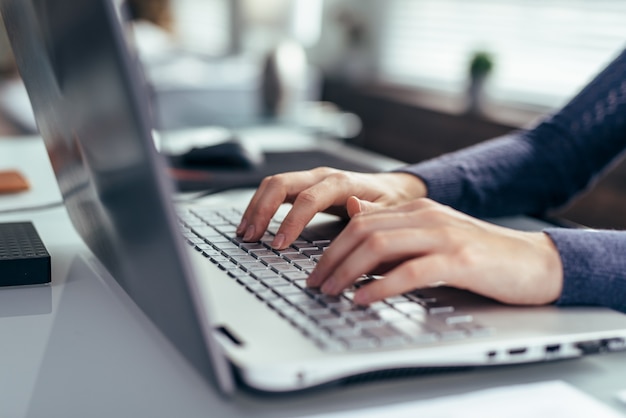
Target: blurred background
411 79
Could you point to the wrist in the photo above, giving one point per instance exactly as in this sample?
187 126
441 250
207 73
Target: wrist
410 185
552 266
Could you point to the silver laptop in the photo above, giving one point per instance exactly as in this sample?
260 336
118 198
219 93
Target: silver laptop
229 306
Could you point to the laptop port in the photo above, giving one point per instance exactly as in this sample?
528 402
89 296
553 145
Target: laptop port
589 347
553 348
614 344
228 334
517 351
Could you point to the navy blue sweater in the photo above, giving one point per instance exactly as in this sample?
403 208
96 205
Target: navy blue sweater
533 171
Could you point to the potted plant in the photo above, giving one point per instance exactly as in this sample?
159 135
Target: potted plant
480 66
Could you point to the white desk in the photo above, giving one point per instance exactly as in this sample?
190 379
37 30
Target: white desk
81 348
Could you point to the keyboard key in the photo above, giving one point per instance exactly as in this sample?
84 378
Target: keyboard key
306 265
284 291
412 310
386 335
344 330
264 274
415 332
304 246
275 282
295 257
298 298
273 259
287 251
283 267
359 342
309 252
458 319
267 294
390 315
258 253
322 243
250 246
295 275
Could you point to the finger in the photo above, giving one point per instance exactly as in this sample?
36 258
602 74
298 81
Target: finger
251 212
360 229
356 206
413 274
380 248
412 206
273 192
353 206
333 190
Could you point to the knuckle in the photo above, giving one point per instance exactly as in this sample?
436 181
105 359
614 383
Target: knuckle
467 257
448 235
267 180
412 269
306 198
423 202
339 177
377 242
276 181
358 225
432 214
323 171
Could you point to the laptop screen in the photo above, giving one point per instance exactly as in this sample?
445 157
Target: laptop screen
90 104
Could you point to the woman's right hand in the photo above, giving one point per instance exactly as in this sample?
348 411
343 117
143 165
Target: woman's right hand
322 190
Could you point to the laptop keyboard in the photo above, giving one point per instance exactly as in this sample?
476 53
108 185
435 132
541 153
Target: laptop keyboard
334 323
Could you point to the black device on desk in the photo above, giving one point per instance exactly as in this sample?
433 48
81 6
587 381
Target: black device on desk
24 259
231 154
206 176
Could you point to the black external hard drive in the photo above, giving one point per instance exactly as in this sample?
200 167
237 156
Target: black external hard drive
24 259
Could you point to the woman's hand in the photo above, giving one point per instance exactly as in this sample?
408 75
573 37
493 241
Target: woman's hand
423 243
321 190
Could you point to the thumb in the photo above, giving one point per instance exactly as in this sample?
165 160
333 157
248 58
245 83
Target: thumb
356 206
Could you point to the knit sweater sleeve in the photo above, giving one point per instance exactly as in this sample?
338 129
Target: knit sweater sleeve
533 171
530 172
594 267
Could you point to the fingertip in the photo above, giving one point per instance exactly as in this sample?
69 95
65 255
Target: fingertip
353 206
250 232
242 227
279 242
313 280
362 297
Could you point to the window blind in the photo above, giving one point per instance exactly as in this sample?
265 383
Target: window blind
544 50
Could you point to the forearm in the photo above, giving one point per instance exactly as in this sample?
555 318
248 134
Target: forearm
594 267
533 171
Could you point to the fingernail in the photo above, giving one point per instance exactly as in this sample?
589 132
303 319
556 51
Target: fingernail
242 226
329 286
278 241
249 233
361 297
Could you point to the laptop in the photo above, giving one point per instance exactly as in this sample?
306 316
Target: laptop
235 308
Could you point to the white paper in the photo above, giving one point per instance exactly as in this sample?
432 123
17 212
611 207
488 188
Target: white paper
545 399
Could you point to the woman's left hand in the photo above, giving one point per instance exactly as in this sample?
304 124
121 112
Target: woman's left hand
423 243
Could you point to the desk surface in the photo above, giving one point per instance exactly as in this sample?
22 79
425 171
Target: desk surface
80 347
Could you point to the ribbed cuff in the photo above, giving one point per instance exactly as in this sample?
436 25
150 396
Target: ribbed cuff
594 266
